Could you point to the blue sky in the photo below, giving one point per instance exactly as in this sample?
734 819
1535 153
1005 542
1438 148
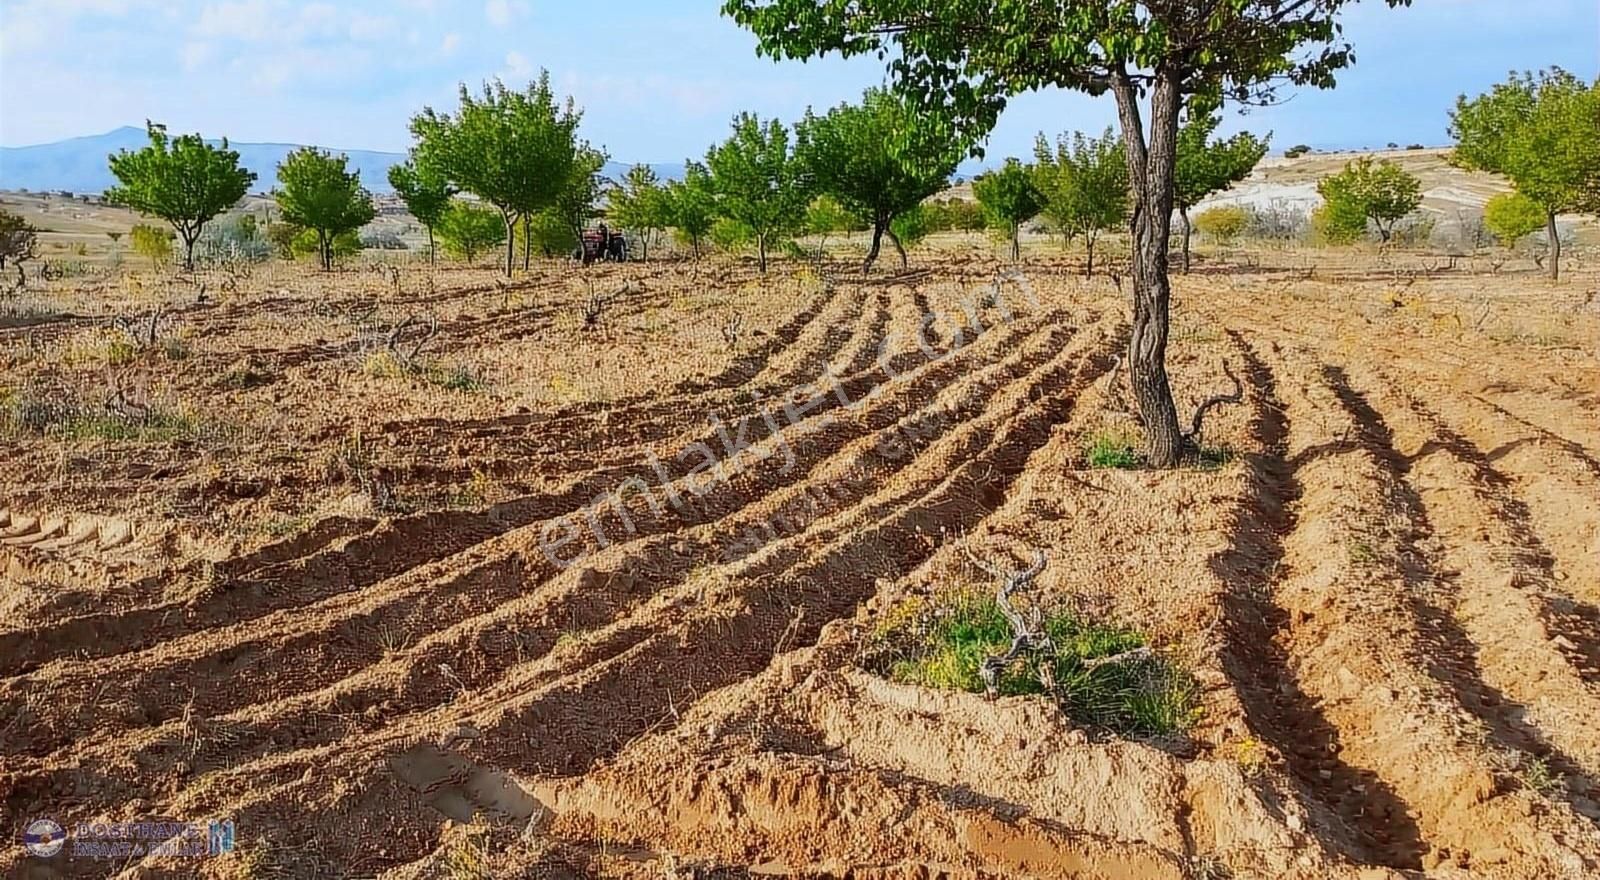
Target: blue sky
658 80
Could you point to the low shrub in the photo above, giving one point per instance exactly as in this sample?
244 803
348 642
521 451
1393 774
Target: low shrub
1224 223
943 641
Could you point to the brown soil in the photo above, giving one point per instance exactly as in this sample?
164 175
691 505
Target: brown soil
325 609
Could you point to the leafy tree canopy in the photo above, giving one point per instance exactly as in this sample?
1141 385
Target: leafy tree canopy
878 159
758 181
641 204
184 181
317 193
1084 182
1512 217
692 204
1381 192
1541 132
1205 166
18 239
468 229
425 190
1009 199
514 150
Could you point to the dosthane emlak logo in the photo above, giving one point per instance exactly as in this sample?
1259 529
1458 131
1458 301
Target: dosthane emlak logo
46 838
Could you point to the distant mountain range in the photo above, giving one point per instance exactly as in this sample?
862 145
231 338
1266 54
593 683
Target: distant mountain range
79 164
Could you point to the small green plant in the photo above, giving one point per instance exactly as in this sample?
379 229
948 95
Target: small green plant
454 378
1538 776
1113 448
943 642
1362 553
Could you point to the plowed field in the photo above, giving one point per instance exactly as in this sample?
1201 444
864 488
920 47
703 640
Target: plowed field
570 597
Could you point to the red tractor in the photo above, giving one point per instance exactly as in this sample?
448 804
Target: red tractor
602 245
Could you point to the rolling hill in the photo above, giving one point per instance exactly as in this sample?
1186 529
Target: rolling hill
79 164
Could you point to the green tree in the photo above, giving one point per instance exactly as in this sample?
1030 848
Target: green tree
692 204
758 181
1084 183
469 229
1205 166
316 193
1009 199
1541 132
513 150
879 159
18 239
640 203
184 181
964 60
426 192
1381 192
1512 216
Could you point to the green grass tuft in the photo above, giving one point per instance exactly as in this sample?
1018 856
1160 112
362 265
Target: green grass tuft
1113 448
944 644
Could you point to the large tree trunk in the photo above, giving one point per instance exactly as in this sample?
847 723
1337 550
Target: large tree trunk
1187 228
527 242
761 251
872 252
1150 174
1554 234
1016 242
1088 240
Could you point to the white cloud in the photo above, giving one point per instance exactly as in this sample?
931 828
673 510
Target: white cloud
501 12
449 44
517 64
372 28
197 54
248 20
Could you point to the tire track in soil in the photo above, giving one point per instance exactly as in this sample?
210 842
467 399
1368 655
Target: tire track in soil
393 546
1378 828
332 650
1364 642
704 651
1558 496
1502 604
1452 658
